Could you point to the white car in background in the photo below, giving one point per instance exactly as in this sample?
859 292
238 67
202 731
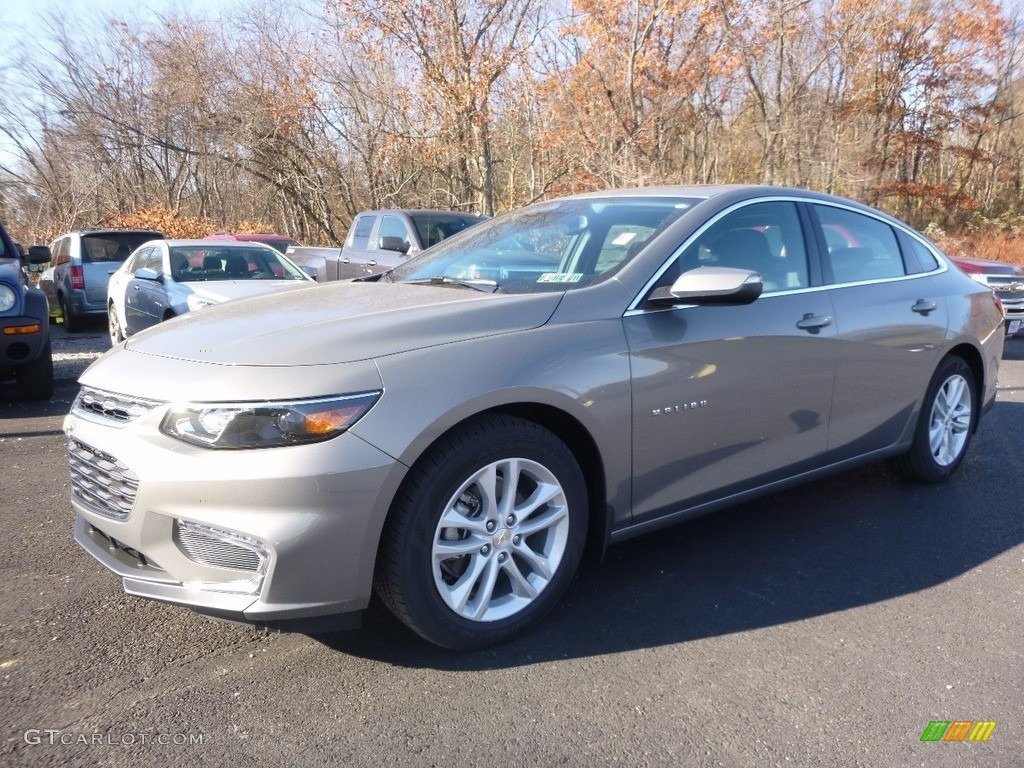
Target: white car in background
166 278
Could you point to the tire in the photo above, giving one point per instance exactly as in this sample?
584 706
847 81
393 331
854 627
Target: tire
495 565
35 379
114 326
72 324
947 420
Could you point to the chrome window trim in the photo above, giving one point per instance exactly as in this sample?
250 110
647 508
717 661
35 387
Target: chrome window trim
635 306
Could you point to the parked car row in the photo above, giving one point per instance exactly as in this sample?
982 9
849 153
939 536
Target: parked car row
166 278
380 240
453 431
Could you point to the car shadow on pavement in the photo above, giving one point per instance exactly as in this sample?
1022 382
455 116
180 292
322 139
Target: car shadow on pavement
858 538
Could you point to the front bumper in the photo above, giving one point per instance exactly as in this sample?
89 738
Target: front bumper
315 511
20 344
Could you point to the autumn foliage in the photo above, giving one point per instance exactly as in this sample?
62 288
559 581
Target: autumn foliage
293 116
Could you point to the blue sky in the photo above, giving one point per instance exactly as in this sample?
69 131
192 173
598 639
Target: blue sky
27 16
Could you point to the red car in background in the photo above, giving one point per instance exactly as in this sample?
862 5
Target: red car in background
278 242
1007 280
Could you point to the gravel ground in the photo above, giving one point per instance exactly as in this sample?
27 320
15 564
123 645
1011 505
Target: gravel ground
74 352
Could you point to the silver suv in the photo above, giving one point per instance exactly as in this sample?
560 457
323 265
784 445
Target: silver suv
83 262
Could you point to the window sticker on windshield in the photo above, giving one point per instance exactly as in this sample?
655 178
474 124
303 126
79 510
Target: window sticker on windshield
560 277
624 239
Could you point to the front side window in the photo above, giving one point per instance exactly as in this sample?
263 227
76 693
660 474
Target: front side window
203 263
765 238
859 247
153 260
138 260
392 226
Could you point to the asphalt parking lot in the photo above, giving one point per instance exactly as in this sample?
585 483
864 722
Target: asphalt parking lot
824 626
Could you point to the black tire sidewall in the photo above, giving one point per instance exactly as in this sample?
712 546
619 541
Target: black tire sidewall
419 508
71 323
35 379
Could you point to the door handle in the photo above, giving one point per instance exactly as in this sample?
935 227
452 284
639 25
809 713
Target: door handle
372 263
813 323
345 260
923 306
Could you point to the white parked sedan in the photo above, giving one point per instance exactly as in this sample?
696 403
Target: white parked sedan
166 278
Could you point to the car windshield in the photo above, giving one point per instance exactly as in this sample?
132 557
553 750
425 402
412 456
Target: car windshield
194 263
112 247
554 246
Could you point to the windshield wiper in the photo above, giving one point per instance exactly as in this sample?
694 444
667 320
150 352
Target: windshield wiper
487 286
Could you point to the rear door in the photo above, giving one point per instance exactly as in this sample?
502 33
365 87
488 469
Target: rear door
358 250
891 326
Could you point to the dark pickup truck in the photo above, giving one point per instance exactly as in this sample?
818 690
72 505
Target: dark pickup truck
380 240
24 323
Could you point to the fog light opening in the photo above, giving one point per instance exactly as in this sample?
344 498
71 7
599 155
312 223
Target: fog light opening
215 548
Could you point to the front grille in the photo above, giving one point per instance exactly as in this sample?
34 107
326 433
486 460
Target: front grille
109 407
218 549
100 482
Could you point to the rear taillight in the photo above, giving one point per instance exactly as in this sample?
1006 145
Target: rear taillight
78 278
999 304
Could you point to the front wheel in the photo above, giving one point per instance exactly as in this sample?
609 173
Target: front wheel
35 379
486 534
114 326
945 425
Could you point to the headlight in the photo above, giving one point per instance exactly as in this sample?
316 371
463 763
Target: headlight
8 298
198 302
266 424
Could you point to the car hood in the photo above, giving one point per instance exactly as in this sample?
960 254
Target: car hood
227 290
340 322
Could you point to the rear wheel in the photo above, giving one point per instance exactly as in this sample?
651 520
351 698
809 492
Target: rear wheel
71 324
945 425
486 535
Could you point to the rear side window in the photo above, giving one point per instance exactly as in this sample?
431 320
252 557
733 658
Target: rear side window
919 257
859 247
62 251
359 237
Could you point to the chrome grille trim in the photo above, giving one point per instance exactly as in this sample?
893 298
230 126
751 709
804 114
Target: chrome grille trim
218 549
100 482
108 407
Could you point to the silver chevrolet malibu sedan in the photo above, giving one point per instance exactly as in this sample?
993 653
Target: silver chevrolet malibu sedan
454 432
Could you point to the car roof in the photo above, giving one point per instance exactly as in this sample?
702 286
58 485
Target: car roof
206 243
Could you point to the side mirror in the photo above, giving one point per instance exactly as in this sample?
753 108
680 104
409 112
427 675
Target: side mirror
149 274
710 285
389 243
39 254
311 271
